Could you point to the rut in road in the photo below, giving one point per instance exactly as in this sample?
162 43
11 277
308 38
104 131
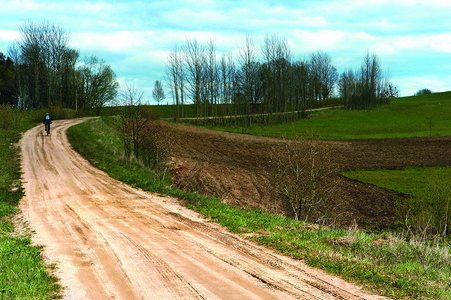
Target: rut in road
111 241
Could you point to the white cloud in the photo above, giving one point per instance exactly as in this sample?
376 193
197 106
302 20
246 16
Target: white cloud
441 43
435 42
9 36
291 17
384 49
330 40
411 85
125 42
189 19
72 15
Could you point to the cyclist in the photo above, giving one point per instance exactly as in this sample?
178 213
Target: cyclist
47 121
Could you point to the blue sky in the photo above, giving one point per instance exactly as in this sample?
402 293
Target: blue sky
412 38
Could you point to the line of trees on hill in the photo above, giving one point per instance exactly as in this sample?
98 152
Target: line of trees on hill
268 80
41 70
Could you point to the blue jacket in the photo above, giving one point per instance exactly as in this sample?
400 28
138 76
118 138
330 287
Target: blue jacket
47 119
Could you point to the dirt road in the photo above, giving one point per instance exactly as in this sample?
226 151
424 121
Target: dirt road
111 241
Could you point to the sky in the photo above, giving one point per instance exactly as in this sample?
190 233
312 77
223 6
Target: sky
411 38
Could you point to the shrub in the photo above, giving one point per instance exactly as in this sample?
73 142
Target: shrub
155 143
9 117
302 174
143 137
423 92
55 112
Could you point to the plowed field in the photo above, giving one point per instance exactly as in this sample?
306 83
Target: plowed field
229 166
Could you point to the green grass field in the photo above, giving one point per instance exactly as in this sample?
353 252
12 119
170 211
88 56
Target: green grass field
412 181
428 115
427 211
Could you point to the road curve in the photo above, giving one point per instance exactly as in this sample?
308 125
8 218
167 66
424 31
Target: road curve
111 241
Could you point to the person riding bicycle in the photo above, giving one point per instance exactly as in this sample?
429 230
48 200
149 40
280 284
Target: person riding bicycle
47 121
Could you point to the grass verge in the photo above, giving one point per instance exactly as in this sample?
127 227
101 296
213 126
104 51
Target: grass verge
391 264
23 273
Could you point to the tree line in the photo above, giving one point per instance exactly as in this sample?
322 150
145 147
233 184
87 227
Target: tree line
367 87
267 80
41 70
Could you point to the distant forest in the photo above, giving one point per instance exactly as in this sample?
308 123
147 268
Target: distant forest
269 80
41 70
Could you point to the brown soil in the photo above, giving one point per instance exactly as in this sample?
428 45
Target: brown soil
110 241
230 166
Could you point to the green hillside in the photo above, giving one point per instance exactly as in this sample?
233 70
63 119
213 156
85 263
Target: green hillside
415 116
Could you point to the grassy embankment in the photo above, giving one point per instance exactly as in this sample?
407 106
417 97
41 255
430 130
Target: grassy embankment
23 273
393 264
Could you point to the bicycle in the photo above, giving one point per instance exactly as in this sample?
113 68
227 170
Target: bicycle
47 128
47 121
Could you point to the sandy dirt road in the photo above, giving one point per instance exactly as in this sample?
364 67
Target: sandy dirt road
111 241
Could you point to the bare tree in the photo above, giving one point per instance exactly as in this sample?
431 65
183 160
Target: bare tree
56 42
195 62
347 87
303 175
132 120
226 71
328 75
301 85
44 54
69 83
268 72
248 62
370 76
158 92
212 77
369 88
283 74
315 76
144 138
31 51
276 74
324 75
176 78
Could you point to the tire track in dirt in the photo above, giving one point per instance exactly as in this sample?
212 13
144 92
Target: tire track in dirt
167 272
254 253
112 241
